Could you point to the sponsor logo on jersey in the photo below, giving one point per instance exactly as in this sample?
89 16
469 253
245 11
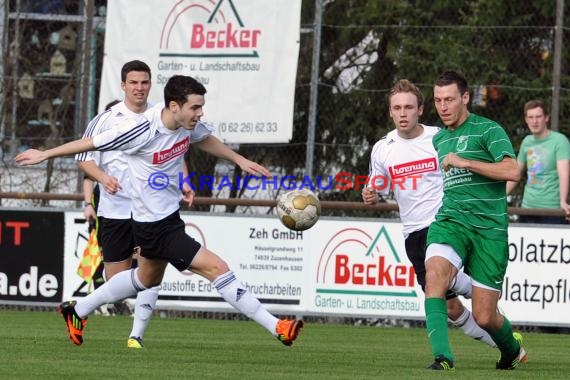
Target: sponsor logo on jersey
413 167
166 155
462 143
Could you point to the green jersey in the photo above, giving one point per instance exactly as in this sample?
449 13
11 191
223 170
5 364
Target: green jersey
471 199
540 156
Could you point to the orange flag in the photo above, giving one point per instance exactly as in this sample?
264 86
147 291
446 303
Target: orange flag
91 257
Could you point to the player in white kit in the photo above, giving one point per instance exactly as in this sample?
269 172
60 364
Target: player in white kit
110 170
157 143
406 161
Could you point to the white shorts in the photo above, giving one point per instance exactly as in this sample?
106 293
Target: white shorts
446 251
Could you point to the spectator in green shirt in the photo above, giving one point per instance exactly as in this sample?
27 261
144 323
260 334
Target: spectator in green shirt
544 155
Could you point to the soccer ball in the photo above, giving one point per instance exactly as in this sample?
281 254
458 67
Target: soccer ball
298 210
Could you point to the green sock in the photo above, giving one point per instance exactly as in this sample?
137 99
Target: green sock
436 326
503 337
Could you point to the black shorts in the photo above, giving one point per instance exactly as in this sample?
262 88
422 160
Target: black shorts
416 251
167 240
116 239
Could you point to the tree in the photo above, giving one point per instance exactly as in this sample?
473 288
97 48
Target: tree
504 49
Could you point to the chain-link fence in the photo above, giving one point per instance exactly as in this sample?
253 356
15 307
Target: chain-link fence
510 51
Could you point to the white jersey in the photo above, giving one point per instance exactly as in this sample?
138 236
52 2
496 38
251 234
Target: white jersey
155 157
117 206
410 168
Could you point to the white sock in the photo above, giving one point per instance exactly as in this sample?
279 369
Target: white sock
240 298
462 285
123 285
466 323
144 306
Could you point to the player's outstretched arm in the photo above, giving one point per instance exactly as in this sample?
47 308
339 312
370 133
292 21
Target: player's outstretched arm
215 147
34 156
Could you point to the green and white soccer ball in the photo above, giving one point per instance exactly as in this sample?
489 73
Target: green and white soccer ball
298 210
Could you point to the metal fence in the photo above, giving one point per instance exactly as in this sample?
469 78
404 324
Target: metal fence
350 54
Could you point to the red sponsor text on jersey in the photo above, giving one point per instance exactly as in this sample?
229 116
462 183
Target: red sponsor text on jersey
166 155
227 37
414 167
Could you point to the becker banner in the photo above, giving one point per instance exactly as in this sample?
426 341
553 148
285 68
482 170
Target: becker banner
244 51
362 269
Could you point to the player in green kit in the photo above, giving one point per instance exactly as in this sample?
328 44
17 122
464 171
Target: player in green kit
470 229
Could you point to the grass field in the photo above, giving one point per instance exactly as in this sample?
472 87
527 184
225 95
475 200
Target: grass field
35 345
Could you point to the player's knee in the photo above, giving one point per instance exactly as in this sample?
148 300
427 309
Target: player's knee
439 271
209 265
147 279
435 278
220 267
111 269
484 320
454 309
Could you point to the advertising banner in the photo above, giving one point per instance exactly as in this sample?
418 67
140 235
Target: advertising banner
31 252
537 285
245 53
339 267
361 268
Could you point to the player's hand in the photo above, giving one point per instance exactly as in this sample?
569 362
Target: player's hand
369 196
30 157
253 168
89 213
188 194
452 160
111 185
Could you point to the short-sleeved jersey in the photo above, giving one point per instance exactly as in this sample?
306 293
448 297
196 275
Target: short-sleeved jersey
470 198
116 206
540 155
154 156
410 168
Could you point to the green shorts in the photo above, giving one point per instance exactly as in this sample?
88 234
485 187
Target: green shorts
484 260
